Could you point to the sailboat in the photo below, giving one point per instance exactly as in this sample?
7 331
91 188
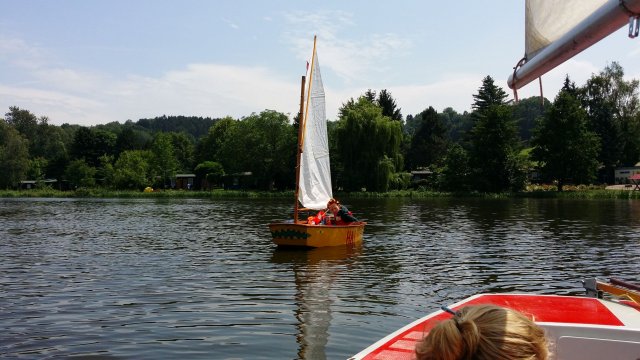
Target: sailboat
313 175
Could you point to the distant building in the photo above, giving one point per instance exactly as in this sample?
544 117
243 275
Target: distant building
622 174
420 174
238 181
32 184
183 181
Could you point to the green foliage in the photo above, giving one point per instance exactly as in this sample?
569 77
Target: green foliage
488 95
80 174
90 144
429 143
133 170
164 163
494 142
613 114
388 104
264 144
364 138
564 147
105 173
210 171
37 168
526 112
192 125
14 156
209 146
455 174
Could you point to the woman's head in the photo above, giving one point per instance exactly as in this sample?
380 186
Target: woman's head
484 332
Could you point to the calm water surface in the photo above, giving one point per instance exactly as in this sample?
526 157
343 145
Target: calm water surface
200 279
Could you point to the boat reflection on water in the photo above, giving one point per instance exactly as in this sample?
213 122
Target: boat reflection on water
315 271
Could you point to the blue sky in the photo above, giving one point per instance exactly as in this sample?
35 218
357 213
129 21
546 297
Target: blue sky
92 62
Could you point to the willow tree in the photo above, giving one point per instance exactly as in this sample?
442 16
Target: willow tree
368 145
14 156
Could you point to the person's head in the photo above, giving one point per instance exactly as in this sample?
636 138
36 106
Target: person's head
484 332
333 205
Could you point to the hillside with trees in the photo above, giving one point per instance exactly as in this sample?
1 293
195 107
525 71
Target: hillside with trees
580 137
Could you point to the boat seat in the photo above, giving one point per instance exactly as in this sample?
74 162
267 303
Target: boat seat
579 348
574 341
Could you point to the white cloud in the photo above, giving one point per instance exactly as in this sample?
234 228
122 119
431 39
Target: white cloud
351 60
198 90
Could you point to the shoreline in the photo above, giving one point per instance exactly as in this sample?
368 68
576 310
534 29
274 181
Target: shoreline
610 192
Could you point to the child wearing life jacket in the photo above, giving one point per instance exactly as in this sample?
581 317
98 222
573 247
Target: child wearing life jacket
340 215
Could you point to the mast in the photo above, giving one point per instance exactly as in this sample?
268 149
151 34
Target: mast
301 127
299 151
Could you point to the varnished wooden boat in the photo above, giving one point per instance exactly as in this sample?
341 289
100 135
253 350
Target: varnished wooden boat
313 236
313 176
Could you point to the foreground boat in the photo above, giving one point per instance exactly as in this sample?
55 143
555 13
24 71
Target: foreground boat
578 327
313 176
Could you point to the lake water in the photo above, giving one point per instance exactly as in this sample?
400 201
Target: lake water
200 279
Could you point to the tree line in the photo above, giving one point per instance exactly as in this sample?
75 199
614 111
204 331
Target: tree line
580 137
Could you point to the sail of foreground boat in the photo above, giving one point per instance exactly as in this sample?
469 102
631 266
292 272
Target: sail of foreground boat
313 175
555 31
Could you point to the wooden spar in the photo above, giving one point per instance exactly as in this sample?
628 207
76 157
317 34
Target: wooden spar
299 152
619 291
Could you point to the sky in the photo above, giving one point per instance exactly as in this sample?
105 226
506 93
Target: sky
94 62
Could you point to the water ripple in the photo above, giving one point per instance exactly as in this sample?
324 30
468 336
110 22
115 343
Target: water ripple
162 278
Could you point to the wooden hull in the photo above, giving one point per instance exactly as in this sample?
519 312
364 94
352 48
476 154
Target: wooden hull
314 236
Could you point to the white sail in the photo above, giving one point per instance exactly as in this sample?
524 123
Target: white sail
557 30
315 171
548 20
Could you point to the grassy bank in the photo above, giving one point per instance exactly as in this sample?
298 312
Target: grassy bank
578 193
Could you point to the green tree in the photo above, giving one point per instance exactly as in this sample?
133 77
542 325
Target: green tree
494 142
526 112
455 174
488 95
80 174
132 170
14 156
612 109
184 147
263 144
210 171
131 138
429 143
209 145
563 145
164 163
388 105
90 144
364 138
37 166
105 173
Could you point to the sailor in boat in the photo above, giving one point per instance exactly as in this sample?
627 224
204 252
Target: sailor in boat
339 214
484 332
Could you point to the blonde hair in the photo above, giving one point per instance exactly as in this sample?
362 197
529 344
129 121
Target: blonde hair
484 332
